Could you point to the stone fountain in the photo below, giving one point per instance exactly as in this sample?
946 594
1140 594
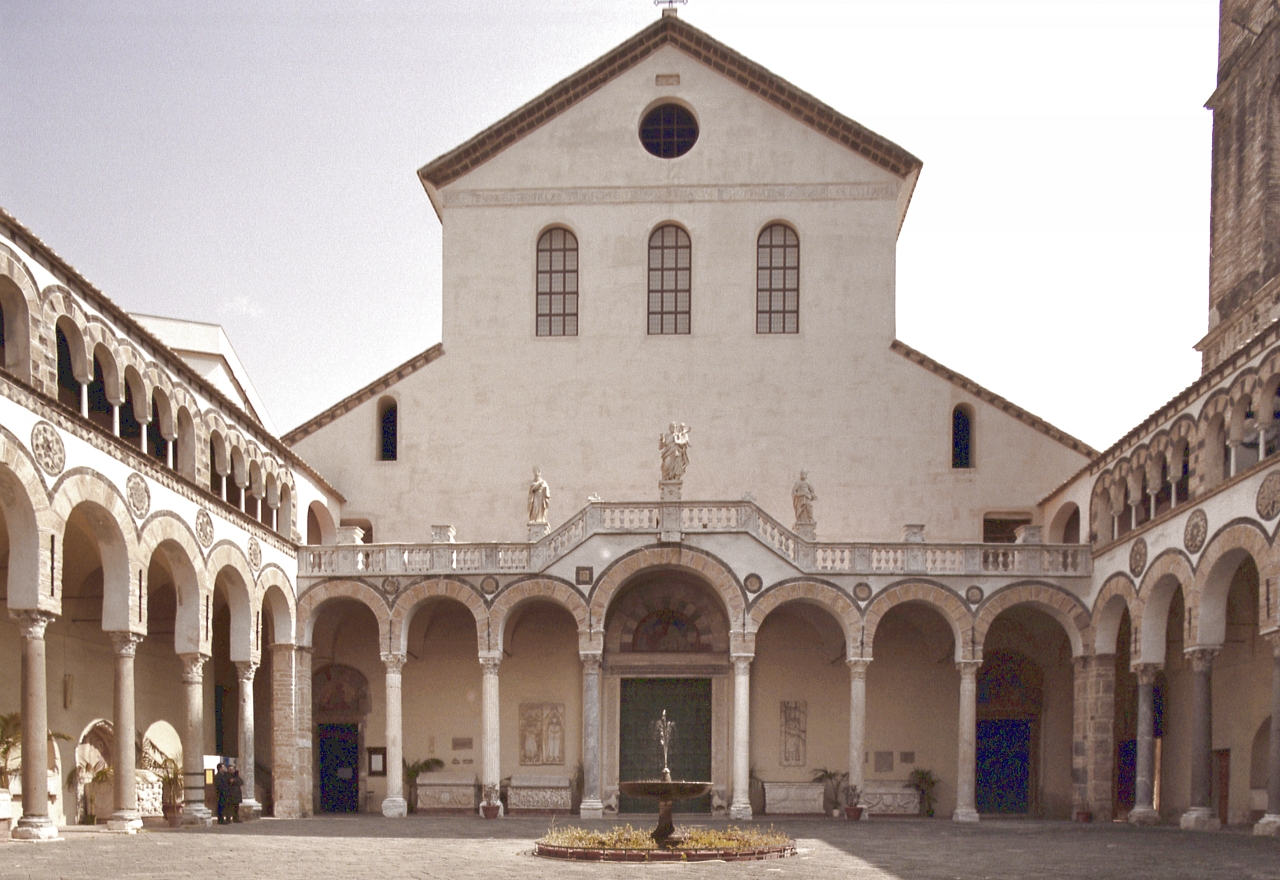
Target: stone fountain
665 790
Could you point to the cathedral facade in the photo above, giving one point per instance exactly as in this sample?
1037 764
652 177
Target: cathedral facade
668 456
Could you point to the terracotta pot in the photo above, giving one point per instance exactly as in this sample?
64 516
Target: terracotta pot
853 813
490 811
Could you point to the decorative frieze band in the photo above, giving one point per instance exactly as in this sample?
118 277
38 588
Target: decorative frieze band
615 195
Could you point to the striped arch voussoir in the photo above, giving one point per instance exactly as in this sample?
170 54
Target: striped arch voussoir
311 602
1062 606
1108 613
687 559
948 604
539 588
841 607
408 601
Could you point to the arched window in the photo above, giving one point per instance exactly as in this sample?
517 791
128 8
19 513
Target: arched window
389 424
14 332
557 283
68 384
130 427
157 446
669 252
99 406
961 438
778 280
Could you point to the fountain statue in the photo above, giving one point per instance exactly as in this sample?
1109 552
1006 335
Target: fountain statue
664 790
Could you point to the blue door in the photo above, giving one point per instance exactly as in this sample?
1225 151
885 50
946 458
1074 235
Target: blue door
339 768
1004 765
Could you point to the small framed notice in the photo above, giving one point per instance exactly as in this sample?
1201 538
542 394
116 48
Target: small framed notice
377 761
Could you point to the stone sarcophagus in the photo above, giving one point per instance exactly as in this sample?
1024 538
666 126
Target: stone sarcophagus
448 792
890 797
539 794
793 798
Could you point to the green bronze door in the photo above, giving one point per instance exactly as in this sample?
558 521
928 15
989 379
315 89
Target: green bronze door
688 704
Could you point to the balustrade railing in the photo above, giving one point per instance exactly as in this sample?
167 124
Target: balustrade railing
358 560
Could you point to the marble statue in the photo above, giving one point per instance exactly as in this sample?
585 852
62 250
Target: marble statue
675 452
539 498
802 498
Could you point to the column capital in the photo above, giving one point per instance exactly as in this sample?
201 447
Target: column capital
1146 672
491 661
31 622
246 670
193 667
126 643
394 662
858 666
968 668
742 663
1201 656
590 661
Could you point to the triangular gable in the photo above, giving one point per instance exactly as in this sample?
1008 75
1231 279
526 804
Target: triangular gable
670 30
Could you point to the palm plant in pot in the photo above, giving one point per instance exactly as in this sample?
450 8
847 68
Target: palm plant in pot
91 776
926 783
171 790
414 769
832 782
490 806
852 803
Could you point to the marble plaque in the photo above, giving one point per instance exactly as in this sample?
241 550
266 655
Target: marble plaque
793 798
541 734
794 732
890 797
539 793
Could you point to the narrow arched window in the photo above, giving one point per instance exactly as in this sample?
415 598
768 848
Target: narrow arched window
157 445
68 384
961 438
557 283
389 428
669 257
778 280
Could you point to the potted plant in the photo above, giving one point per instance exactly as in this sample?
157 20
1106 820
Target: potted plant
490 806
832 781
926 783
90 776
414 769
171 790
852 805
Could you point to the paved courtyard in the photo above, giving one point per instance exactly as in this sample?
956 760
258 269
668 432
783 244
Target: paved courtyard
367 847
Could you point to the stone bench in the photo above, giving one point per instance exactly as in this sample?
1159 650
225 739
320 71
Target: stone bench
794 798
890 797
539 794
448 793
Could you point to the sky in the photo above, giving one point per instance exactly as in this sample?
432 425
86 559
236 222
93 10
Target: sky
253 164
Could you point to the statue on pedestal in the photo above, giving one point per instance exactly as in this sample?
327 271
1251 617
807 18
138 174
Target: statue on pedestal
675 452
802 499
539 498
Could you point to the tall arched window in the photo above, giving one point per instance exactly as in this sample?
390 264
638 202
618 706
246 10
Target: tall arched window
961 438
557 283
389 429
68 384
778 280
669 253
157 445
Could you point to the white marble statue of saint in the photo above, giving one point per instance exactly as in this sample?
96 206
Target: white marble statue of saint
539 498
675 452
802 499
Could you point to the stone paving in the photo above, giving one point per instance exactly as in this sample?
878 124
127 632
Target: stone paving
373 847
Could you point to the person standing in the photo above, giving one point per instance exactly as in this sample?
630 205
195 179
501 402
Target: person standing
220 779
235 793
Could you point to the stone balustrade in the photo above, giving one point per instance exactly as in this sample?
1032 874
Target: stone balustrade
597 518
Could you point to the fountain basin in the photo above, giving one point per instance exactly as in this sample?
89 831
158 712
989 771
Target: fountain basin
698 843
664 789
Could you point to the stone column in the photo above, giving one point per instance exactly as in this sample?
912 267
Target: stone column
284 734
1144 812
491 774
1201 816
857 721
35 823
194 812
1100 730
394 805
1269 824
592 806
1079 737
124 784
967 747
249 806
305 730
740 808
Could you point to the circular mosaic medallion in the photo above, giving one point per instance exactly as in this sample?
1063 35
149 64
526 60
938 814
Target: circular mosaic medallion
391 587
204 527
135 489
753 583
1269 496
47 448
255 554
489 585
1197 530
1138 557
974 594
862 592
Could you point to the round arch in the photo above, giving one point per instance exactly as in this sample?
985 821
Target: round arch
408 602
1207 598
1117 595
168 535
945 602
697 562
1057 603
328 533
311 602
1162 579
517 594
824 596
30 519
275 597
108 516
228 564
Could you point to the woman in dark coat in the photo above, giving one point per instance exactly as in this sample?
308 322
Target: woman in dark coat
220 780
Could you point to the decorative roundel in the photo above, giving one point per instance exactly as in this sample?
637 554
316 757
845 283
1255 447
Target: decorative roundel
668 131
974 594
47 448
1138 557
1197 530
1269 496
862 592
135 489
489 585
255 554
753 583
204 528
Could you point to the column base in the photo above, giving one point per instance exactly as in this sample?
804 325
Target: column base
964 814
591 809
1143 816
395 807
197 814
35 828
250 810
1199 819
740 812
124 822
1268 826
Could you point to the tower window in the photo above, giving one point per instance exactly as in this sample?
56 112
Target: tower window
961 438
389 424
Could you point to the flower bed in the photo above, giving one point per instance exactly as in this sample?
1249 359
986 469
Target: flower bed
628 844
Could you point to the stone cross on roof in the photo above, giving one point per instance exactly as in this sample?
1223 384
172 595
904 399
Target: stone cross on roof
670 5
